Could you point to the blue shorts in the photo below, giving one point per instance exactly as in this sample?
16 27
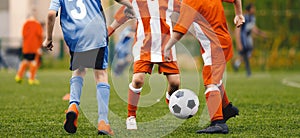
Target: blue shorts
96 59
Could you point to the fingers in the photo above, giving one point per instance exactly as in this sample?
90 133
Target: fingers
49 46
239 20
168 59
129 13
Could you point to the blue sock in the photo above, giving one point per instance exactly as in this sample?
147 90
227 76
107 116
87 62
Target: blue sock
76 84
103 91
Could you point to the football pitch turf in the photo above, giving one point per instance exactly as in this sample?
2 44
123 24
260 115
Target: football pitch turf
268 103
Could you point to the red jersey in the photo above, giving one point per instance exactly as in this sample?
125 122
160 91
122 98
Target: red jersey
32 37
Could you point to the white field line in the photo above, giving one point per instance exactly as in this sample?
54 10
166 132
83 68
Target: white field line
290 83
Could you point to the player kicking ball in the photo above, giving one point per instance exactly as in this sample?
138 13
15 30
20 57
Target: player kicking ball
84 29
153 31
210 27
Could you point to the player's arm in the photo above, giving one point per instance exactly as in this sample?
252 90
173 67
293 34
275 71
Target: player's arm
49 26
238 39
129 9
176 36
120 18
179 30
239 18
259 32
112 27
187 9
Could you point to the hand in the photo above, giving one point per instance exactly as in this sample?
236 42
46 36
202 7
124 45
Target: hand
48 44
239 47
40 51
129 12
167 55
239 20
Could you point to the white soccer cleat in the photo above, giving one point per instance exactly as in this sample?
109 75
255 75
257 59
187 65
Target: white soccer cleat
131 123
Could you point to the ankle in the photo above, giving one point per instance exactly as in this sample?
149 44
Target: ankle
217 122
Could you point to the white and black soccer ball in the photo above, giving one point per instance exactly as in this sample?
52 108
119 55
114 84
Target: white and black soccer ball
184 103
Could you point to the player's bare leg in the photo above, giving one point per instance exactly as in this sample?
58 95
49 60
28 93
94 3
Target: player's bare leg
22 67
174 84
79 72
135 88
33 69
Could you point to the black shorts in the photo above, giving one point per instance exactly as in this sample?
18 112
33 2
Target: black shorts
96 59
29 57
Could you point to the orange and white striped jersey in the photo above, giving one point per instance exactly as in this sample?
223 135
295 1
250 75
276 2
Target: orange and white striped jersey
154 28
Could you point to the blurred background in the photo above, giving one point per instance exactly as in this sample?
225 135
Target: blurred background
279 19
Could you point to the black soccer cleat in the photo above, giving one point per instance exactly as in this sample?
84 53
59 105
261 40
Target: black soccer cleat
70 124
218 128
230 111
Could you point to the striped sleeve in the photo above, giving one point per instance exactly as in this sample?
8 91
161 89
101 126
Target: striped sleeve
188 9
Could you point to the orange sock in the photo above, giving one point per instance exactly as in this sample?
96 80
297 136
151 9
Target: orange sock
22 68
225 100
133 99
33 70
214 104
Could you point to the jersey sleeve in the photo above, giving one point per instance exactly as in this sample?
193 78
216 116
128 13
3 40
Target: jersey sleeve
120 16
188 9
229 1
54 5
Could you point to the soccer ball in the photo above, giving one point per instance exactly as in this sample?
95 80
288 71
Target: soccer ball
184 103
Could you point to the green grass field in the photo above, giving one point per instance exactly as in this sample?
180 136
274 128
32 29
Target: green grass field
268 103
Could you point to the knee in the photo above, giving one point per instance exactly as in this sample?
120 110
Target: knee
174 84
101 76
137 82
33 63
79 72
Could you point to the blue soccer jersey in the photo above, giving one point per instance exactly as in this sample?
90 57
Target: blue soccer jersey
83 23
246 30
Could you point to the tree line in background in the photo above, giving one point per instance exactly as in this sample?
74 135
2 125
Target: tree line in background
280 19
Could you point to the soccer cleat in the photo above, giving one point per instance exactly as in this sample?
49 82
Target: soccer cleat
66 97
33 82
104 129
230 111
131 123
236 64
18 79
217 128
70 124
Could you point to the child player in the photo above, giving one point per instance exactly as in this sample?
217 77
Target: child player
154 28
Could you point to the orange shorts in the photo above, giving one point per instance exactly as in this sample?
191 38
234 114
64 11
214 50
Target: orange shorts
163 67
